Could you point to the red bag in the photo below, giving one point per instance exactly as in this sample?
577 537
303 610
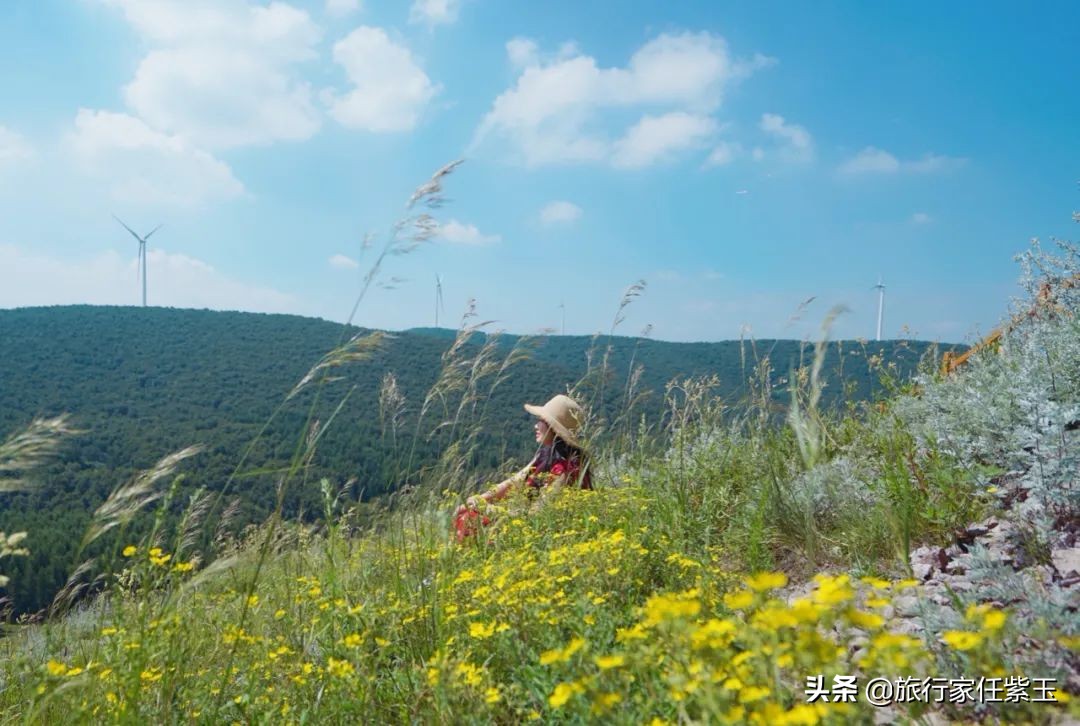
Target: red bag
466 524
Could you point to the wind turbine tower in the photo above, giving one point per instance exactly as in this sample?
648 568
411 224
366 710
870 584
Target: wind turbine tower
438 299
880 287
142 253
562 307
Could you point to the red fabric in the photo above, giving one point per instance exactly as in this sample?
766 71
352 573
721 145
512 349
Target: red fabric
570 468
466 524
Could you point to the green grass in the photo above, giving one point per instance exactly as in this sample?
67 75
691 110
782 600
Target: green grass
654 599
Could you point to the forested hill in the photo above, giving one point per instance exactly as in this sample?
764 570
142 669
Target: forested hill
144 382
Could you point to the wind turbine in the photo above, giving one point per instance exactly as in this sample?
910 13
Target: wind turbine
562 307
880 287
142 253
438 298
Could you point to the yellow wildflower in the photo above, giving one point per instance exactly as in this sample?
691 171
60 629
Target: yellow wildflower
606 662
129 551
805 611
961 639
339 668
988 617
563 693
869 621
766 581
469 673
803 714
491 695
604 702
739 600
832 590
56 668
752 693
480 631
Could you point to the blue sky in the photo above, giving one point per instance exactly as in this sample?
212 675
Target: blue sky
739 157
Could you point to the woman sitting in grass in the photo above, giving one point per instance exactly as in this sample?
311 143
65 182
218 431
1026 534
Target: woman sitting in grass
559 461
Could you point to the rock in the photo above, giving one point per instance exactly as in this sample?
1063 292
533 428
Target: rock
921 570
1066 561
906 605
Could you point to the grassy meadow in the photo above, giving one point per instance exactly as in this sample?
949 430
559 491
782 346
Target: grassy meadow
730 552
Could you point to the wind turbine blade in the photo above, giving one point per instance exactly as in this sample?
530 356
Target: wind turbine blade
129 229
155 229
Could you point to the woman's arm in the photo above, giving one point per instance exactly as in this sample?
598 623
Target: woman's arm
502 489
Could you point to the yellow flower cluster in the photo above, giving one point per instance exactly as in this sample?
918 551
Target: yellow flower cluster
580 611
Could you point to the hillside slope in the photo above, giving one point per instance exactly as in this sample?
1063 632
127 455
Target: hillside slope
141 383
724 577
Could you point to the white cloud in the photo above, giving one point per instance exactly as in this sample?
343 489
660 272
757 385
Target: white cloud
434 12
560 212
342 262
668 275
141 165
724 153
13 147
522 52
175 280
930 163
872 160
466 234
658 138
568 109
341 8
921 218
223 72
390 89
796 142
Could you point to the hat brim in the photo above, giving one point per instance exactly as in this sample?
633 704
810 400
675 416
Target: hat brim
563 432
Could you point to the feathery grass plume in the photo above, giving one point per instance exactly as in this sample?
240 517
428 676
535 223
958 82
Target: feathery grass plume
130 498
187 531
29 448
20 453
409 232
805 417
391 406
634 291
631 395
358 348
591 388
77 583
405 236
228 516
9 547
453 376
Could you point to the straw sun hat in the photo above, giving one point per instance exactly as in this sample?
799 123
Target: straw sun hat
561 413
